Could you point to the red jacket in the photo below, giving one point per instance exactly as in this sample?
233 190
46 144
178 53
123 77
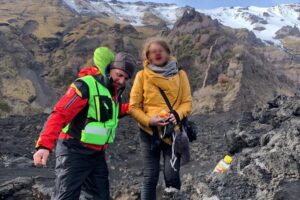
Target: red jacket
64 112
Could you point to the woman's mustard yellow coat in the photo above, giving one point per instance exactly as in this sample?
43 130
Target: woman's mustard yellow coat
146 100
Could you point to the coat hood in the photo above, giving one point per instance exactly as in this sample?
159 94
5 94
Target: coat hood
93 70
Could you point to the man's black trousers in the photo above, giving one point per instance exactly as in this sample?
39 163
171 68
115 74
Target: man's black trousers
79 168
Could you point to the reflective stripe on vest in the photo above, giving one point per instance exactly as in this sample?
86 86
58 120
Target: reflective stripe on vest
103 112
96 130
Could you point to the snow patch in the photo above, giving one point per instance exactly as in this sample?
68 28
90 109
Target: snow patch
270 18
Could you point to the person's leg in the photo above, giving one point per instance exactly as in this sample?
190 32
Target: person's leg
171 176
97 184
71 171
151 159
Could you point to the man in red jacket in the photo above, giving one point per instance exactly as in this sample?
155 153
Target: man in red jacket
83 122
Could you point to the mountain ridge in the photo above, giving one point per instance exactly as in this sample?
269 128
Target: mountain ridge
263 21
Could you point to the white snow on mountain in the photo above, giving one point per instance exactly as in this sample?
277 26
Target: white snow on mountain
126 11
264 22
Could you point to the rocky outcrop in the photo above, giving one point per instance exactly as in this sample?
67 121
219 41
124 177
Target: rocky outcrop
259 28
20 81
287 31
21 89
268 142
152 20
128 29
193 21
254 19
16 188
30 26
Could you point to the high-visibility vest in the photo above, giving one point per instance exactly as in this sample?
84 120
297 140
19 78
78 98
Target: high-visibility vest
102 116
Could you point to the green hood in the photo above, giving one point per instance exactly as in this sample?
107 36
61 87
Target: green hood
103 56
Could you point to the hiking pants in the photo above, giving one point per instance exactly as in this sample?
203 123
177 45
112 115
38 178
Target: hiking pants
75 170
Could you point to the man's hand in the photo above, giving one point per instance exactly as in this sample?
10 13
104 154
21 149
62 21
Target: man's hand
40 157
157 121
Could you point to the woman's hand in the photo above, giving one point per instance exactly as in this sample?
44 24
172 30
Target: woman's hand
156 120
172 119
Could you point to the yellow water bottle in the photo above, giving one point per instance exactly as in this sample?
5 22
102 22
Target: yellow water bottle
223 165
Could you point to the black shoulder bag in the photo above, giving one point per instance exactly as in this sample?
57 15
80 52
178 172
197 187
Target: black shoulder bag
189 126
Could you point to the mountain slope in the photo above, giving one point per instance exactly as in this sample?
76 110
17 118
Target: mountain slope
264 22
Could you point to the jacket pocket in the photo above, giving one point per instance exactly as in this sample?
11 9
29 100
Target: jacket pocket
106 108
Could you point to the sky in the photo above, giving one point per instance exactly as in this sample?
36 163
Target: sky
205 4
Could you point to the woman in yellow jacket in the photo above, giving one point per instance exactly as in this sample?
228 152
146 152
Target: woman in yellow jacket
147 107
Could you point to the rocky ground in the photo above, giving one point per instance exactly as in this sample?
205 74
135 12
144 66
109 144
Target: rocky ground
265 144
20 179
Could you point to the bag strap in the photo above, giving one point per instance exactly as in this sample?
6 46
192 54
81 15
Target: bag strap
163 94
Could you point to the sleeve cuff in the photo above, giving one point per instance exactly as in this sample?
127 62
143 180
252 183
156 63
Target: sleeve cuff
42 147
